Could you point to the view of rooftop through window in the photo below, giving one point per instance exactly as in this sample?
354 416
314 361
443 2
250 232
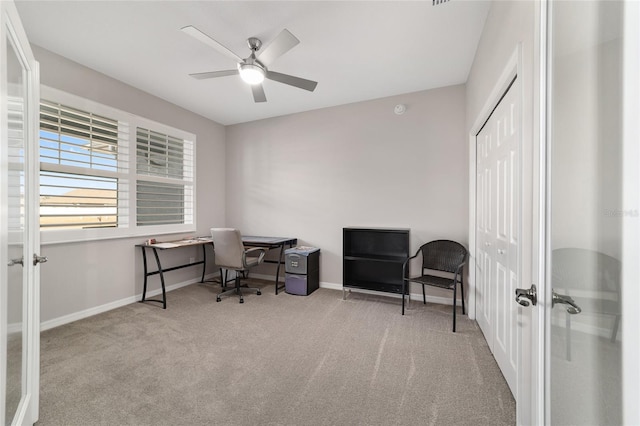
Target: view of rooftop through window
79 157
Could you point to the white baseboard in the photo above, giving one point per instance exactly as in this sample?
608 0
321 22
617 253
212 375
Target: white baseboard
267 277
66 319
331 286
413 296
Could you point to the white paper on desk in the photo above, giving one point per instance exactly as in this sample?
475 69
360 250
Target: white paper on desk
165 245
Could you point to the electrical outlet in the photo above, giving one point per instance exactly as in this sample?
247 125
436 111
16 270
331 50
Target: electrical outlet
192 260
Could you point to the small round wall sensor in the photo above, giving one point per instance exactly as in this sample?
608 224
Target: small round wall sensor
399 109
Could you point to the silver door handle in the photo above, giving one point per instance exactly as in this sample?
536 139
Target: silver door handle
527 297
573 308
13 262
39 259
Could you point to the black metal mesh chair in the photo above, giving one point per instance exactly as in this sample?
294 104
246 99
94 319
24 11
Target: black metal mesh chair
441 256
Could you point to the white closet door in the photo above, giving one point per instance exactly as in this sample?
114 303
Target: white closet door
497 231
484 230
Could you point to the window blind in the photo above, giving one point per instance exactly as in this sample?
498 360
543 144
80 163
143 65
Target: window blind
164 191
83 168
16 163
72 137
163 155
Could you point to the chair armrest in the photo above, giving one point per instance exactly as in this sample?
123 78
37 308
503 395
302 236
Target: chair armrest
252 249
458 272
262 251
406 264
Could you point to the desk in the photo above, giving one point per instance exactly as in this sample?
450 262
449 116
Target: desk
170 245
250 241
271 243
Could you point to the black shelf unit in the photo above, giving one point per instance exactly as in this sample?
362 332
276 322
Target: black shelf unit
373 258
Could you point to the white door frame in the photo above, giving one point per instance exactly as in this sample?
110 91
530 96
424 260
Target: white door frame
539 335
631 222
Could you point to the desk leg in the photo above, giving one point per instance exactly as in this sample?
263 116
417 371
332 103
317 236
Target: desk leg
144 263
204 259
280 261
164 295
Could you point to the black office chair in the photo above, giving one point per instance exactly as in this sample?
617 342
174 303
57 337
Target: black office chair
591 280
231 254
442 256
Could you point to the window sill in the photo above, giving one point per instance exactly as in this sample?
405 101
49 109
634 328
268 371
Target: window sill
52 237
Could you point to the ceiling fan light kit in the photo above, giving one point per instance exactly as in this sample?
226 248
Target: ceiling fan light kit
251 73
253 70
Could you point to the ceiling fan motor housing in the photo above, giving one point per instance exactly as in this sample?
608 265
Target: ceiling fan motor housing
254 44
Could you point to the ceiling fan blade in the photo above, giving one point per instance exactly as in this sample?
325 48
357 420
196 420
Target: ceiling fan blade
258 93
280 45
199 35
213 74
292 81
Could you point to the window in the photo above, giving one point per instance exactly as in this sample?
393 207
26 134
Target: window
90 185
80 172
164 194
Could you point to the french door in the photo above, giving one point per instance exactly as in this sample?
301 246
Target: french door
19 229
592 231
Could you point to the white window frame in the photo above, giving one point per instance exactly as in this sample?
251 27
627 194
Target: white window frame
130 228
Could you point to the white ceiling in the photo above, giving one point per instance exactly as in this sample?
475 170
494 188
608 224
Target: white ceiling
355 50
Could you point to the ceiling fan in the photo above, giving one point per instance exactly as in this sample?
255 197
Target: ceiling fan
253 69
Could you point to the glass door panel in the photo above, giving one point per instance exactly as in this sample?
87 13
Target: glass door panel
19 228
16 275
586 181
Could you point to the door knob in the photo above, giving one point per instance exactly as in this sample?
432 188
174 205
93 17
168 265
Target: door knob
16 262
527 297
573 308
39 259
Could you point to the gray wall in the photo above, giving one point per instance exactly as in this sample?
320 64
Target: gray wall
86 275
309 175
508 23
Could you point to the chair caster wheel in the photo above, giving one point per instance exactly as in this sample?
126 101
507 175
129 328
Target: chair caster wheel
241 300
218 299
258 292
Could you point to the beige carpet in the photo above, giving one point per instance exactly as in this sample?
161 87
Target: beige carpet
274 360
